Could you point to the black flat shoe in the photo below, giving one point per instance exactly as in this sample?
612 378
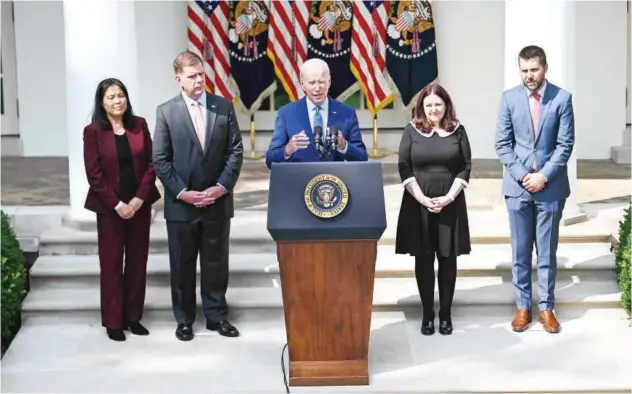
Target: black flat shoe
184 332
427 327
445 327
115 334
224 328
137 329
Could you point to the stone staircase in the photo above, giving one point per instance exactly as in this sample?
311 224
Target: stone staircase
623 154
62 346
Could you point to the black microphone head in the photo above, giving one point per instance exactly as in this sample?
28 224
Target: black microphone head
318 131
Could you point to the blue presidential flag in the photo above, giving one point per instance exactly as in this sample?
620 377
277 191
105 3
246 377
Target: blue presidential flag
411 51
329 38
251 68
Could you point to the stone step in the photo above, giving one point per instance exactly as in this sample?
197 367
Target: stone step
389 293
483 355
621 154
249 234
591 261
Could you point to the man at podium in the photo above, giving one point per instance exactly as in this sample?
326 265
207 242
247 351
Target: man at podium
316 127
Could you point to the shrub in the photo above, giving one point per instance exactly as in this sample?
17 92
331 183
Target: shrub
622 253
13 280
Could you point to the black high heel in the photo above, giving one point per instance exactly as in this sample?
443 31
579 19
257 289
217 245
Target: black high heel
445 327
427 327
115 334
137 329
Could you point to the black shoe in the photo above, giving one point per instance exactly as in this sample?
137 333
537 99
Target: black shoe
184 332
224 328
115 334
137 329
445 327
427 327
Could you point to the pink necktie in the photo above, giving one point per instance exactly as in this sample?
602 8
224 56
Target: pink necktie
535 118
200 129
535 112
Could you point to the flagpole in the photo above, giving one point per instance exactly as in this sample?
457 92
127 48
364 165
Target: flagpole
378 153
253 152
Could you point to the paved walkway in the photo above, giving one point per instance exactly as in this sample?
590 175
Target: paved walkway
34 181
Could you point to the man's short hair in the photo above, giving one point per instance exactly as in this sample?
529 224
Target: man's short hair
313 62
533 51
184 59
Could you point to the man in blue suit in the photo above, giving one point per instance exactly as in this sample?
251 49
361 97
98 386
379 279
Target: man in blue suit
294 127
534 140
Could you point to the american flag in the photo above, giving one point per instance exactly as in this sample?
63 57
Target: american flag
208 37
368 52
287 42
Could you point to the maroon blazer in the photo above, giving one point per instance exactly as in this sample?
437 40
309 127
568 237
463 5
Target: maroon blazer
101 162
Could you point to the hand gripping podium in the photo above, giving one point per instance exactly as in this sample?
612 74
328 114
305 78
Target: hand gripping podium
326 218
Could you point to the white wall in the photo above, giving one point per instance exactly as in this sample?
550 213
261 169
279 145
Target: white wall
39 40
470 46
160 36
600 77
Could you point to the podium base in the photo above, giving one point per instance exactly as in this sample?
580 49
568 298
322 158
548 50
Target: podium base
329 373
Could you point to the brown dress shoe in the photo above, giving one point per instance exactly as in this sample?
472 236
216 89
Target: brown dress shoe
549 322
521 321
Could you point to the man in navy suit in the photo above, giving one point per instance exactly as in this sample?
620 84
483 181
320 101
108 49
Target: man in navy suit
534 140
296 122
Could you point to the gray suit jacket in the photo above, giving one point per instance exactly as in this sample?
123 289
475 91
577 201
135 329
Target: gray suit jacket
518 147
181 163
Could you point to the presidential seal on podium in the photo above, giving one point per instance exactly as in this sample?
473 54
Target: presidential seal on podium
326 196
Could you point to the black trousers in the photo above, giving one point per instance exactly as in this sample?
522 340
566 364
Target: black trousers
425 275
210 239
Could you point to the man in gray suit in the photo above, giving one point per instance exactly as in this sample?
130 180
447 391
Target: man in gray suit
198 155
534 140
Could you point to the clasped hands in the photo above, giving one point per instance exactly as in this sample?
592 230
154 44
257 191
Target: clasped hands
127 211
533 182
436 204
203 198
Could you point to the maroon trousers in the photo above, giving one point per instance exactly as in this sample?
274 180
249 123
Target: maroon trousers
123 285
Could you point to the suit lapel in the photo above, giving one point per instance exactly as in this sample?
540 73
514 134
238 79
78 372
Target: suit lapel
544 108
304 116
524 106
332 113
211 116
188 122
136 144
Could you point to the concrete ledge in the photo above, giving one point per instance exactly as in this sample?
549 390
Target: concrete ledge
88 225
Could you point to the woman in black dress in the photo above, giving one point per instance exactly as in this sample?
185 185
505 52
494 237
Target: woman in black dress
434 166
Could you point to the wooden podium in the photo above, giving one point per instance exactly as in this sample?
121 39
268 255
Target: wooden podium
327 255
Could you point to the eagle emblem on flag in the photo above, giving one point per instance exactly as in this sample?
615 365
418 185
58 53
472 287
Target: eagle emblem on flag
411 51
335 18
330 29
251 19
252 69
411 19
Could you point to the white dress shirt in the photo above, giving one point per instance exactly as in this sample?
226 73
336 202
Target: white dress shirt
189 101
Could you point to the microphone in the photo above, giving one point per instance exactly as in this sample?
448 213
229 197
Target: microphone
333 130
318 139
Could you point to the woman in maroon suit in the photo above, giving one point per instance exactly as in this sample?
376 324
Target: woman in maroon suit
117 151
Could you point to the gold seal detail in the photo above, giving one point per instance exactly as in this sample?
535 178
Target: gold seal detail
326 196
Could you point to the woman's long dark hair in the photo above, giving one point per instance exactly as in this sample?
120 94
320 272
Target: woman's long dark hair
449 121
99 115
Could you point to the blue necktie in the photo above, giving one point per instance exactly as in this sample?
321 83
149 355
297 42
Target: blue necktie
318 119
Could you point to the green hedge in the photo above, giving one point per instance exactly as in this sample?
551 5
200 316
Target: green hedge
13 280
622 256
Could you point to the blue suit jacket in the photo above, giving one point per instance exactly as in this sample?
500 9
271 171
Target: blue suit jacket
293 118
517 146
